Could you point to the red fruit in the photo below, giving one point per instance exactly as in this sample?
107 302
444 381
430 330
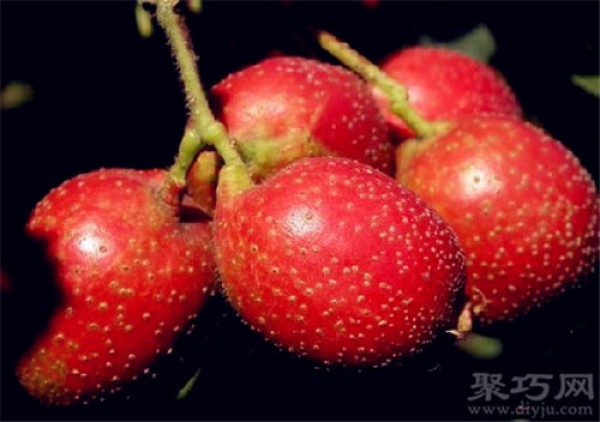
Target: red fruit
444 84
286 108
331 259
130 274
523 207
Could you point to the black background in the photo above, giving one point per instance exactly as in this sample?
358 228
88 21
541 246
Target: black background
105 97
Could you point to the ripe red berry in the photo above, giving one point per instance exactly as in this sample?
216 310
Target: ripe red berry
444 84
130 274
333 260
523 207
285 108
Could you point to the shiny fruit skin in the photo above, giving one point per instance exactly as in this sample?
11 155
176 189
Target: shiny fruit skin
285 108
130 276
332 260
523 207
444 84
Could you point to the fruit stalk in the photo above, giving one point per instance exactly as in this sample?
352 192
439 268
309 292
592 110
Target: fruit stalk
205 128
189 146
397 93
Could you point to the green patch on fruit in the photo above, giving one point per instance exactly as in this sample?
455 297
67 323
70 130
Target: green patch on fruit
589 83
481 347
478 43
265 156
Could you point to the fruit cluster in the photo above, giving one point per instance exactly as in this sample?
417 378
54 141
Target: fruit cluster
349 216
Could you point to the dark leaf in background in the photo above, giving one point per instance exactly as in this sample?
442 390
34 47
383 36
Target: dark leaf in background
590 84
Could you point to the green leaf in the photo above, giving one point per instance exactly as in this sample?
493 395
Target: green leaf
480 347
478 43
589 83
15 94
185 390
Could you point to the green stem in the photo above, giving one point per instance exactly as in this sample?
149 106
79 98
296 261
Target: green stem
189 146
397 94
205 129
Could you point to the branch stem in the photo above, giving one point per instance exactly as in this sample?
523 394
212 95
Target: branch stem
205 130
397 94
